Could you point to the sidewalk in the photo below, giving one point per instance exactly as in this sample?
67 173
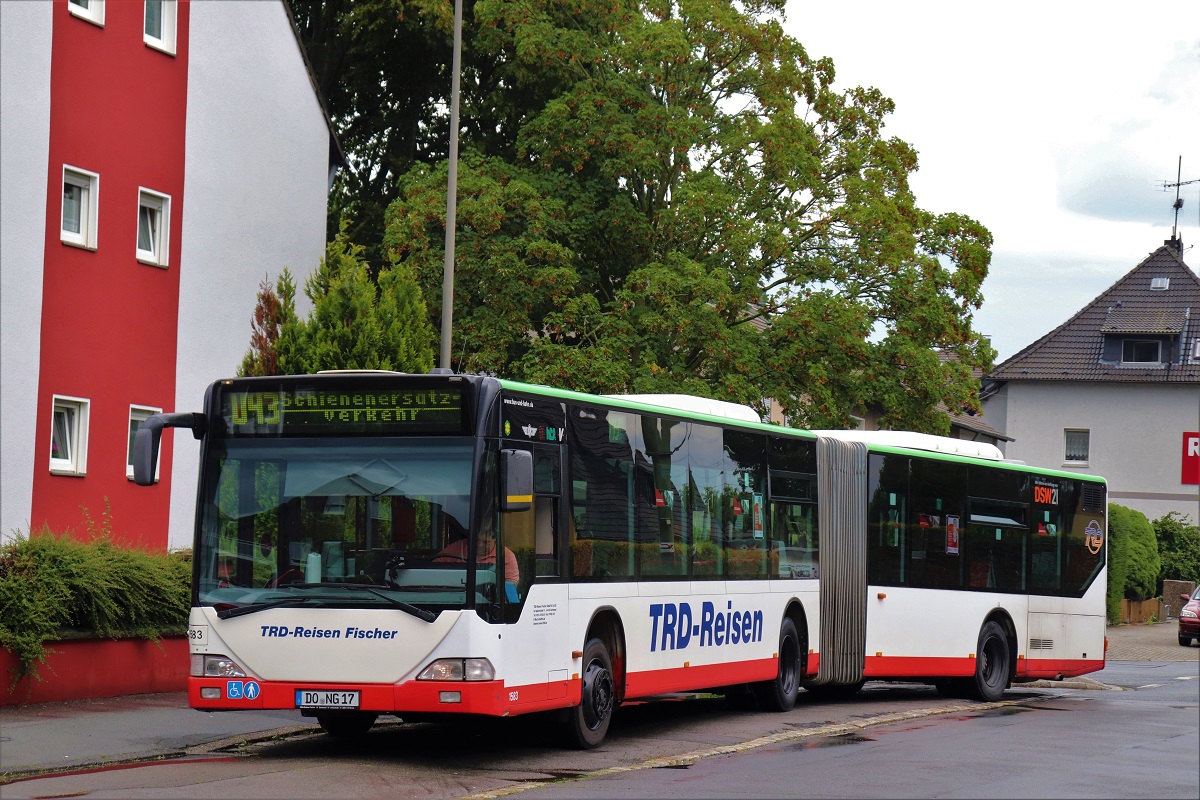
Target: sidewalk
1156 641
82 733
85 733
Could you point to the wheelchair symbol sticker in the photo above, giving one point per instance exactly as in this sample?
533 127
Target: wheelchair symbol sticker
242 690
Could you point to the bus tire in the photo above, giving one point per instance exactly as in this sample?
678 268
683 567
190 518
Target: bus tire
347 725
780 693
993 661
587 723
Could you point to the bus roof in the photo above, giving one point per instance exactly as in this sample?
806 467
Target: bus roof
694 405
920 441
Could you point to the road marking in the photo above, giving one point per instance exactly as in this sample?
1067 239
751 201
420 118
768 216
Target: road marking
687 759
1150 686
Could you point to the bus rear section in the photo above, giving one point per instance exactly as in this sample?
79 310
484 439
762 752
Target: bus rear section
961 570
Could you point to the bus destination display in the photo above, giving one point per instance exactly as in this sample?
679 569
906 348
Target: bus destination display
315 411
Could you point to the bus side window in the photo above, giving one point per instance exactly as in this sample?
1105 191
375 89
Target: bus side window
887 520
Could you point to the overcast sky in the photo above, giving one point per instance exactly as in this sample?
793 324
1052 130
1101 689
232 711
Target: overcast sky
1053 123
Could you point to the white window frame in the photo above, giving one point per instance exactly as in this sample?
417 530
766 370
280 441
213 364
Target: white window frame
88 184
1087 434
90 10
138 415
71 436
1196 349
158 206
1128 341
168 12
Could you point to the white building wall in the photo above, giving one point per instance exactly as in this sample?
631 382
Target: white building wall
1136 433
255 190
25 40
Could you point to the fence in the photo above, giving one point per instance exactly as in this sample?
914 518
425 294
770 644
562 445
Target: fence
1138 611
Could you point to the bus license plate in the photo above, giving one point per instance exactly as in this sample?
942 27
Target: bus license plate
321 698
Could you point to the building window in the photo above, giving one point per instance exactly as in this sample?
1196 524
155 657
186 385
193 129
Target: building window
138 415
1077 446
68 436
159 31
1196 349
1160 284
154 216
1140 351
80 207
91 10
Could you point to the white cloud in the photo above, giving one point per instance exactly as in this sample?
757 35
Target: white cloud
1053 124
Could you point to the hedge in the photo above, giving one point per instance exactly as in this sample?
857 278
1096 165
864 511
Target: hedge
53 586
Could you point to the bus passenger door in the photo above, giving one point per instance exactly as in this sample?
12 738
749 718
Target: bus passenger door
532 535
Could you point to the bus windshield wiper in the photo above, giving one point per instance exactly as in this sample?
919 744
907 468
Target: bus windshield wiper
240 611
419 613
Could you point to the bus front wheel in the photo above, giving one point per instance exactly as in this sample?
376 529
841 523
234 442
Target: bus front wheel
780 694
993 662
587 723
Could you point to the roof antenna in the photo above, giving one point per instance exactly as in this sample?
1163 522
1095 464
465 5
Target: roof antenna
1178 204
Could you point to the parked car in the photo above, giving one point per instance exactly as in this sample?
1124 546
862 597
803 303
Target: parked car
1189 618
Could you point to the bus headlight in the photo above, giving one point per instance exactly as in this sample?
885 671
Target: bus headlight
459 669
215 666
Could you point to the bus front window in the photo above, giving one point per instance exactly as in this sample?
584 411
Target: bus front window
283 517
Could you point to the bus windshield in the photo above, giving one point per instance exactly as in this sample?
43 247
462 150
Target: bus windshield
335 522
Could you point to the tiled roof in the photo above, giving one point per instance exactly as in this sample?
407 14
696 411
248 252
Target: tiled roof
1072 351
1144 320
975 425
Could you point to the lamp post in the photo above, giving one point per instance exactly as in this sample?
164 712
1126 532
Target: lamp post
451 192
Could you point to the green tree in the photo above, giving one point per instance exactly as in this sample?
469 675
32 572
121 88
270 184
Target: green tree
273 329
382 68
1133 560
692 176
1178 548
356 323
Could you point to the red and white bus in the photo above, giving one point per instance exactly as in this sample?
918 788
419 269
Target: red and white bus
424 545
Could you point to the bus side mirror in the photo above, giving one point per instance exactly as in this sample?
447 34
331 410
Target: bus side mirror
516 478
149 436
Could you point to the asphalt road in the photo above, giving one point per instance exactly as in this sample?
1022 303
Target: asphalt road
94 739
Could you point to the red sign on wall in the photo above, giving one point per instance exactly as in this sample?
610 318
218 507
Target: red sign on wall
1191 458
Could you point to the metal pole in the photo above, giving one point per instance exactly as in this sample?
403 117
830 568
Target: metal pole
451 192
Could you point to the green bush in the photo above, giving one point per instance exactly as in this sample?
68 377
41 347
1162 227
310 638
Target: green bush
53 586
1178 548
1133 561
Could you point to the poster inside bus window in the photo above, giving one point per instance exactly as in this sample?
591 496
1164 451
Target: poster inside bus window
318 411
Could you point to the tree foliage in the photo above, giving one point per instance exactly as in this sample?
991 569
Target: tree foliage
693 176
382 68
356 323
1178 548
1133 560
655 197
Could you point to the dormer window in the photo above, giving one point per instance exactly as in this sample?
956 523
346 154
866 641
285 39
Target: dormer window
1141 351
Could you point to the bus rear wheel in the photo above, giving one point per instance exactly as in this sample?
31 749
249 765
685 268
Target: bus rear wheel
993 662
347 725
780 693
587 723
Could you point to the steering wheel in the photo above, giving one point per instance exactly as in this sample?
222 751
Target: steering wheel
293 575
449 557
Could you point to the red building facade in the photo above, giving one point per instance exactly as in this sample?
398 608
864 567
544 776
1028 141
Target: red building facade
122 296
118 113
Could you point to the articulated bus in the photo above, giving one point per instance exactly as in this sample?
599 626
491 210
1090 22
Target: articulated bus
432 545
